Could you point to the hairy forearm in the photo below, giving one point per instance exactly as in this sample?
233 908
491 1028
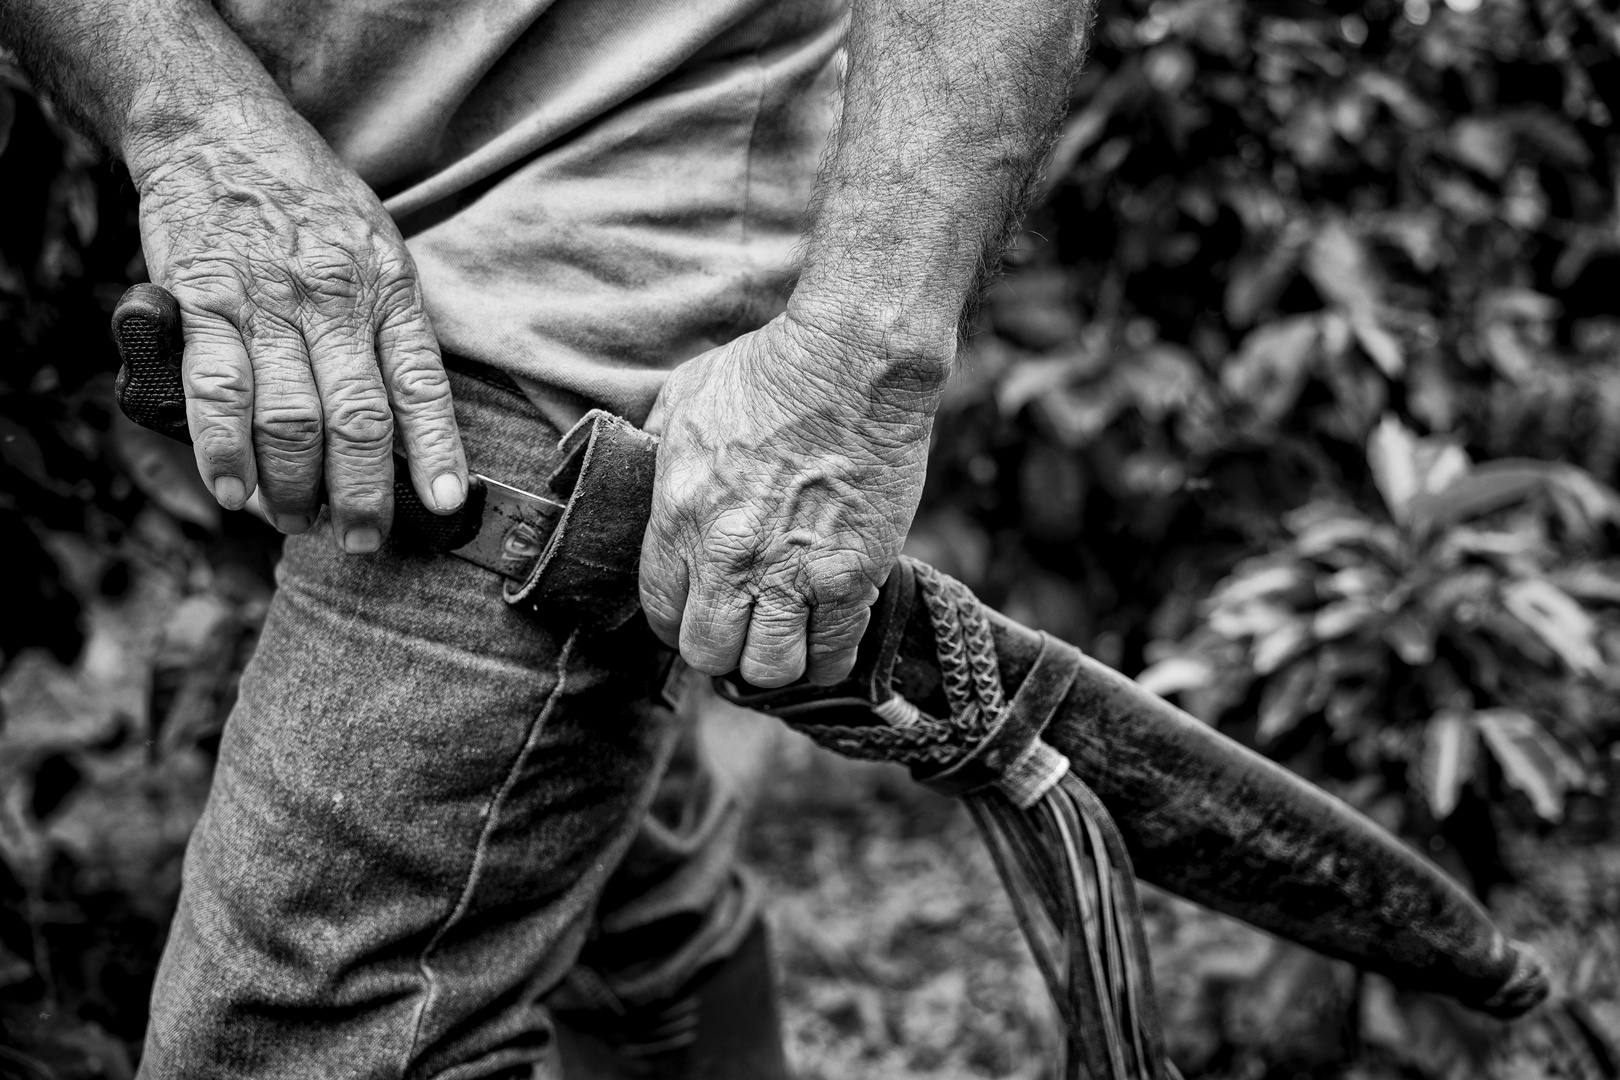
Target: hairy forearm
141 77
949 109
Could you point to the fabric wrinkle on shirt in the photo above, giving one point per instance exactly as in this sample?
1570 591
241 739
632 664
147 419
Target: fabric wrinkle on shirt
593 190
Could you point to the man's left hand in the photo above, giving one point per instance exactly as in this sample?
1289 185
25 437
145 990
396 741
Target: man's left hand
790 468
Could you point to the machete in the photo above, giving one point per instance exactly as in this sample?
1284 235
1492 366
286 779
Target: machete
1076 775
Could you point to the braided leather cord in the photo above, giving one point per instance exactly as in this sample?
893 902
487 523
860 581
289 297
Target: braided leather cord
966 654
1059 853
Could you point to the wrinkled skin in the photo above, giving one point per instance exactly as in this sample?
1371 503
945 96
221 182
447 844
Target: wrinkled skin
788 475
307 347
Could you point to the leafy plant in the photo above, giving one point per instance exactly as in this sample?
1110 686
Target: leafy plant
1468 616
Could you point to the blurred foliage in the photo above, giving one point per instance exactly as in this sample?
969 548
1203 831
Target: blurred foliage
129 609
1302 399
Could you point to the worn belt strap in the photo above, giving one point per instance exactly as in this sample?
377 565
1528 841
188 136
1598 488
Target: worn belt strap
572 557
589 573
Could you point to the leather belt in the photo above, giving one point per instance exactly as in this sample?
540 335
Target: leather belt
500 528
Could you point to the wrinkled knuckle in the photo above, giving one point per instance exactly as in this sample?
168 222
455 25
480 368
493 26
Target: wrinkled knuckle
332 274
364 423
327 331
772 649
211 286
219 447
779 612
838 582
288 429
363 503
733 553
421 387
835 622
213 381
397 293
433 443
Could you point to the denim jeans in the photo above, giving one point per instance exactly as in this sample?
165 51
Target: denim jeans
430 814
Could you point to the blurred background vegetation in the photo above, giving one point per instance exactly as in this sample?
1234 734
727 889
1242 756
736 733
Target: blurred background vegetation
1301 402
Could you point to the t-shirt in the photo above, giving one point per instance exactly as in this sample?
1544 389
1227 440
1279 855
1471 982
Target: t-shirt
593 190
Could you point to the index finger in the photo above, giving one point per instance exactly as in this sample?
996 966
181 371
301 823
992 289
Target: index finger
419 391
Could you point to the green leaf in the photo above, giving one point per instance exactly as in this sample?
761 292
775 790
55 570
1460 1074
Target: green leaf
1591 583
1392 456
1257 580
1175 674
1285 701
1161 380
1279 646
1379 344
1270 370
1253 618
49 708
1531 760
1482 143
1345 617
1515 329
23 847
13 968
1338 265
1557 619
1491 486
1319 533
1450 749
1412 634
1256 282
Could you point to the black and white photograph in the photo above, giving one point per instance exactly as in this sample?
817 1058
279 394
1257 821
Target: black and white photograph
809 540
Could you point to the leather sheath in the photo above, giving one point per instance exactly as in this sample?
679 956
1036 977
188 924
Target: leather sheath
1202 816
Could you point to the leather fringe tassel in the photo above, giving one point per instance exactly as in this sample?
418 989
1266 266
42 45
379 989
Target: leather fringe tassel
1070 879
1055 846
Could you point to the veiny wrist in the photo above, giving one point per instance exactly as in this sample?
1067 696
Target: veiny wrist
190 82
171 124
902 362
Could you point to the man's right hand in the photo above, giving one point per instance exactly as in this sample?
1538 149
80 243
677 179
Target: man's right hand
306 343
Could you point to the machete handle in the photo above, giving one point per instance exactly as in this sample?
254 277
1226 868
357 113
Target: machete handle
146 326
151 392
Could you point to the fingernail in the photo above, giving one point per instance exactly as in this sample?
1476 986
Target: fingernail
292 524
230 492
447 491
362 540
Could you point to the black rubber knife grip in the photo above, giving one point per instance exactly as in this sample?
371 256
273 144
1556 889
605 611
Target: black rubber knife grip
146 326
420 530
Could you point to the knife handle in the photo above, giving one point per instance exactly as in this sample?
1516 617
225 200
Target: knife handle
146 325
150 391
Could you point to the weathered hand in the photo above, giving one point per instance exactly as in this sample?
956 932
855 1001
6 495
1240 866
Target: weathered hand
306 343
790 467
